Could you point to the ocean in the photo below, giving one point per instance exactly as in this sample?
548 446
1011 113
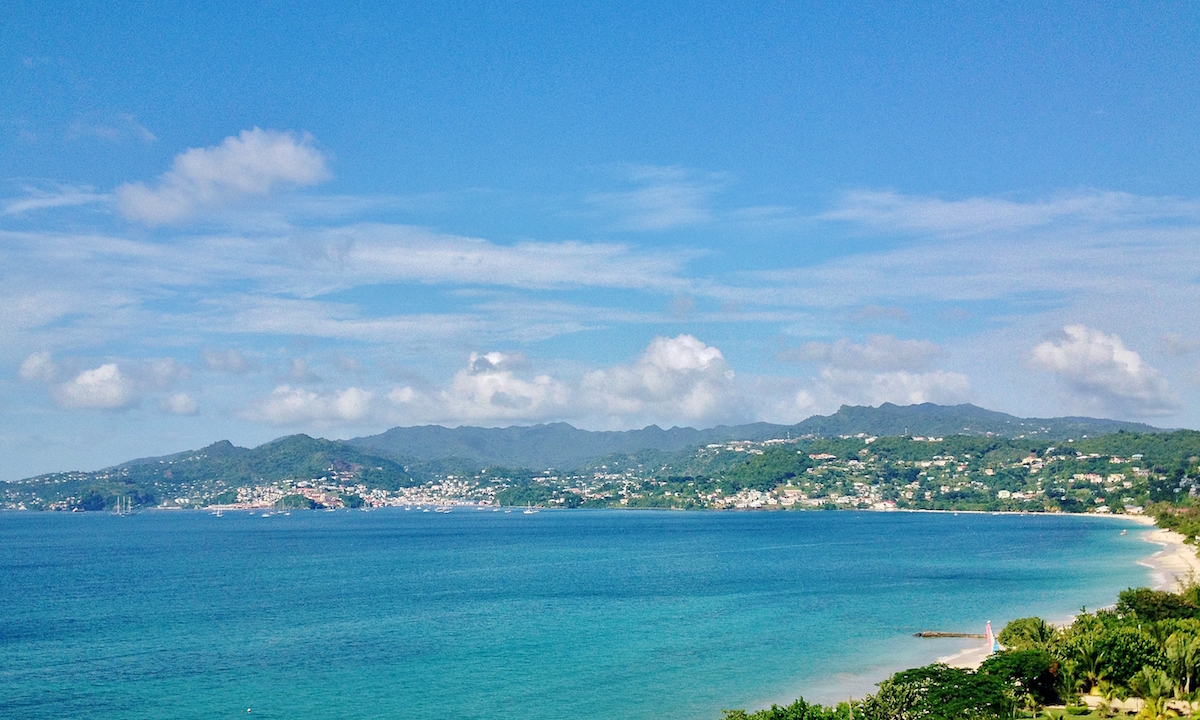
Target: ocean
480 614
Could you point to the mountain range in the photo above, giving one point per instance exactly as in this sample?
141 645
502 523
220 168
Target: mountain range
563 446
403 454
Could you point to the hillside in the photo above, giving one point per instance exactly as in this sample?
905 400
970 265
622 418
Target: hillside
214 473
560 445
543 446
966 419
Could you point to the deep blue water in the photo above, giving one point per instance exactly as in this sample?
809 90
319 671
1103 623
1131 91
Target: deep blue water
605 614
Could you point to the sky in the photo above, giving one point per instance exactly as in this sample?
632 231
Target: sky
245 220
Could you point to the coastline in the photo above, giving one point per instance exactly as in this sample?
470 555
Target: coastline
1174 564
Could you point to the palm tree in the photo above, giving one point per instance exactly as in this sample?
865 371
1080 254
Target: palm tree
1150 683
1109 691
1090 667
1156 709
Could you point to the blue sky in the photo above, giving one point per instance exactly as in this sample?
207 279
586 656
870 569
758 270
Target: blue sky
247 220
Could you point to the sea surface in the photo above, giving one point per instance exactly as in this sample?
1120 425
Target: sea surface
480 614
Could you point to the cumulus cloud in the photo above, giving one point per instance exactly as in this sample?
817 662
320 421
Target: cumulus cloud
676 378
179 403
882 352
1100 372
288 405
38 367
489 389
102 388
252 164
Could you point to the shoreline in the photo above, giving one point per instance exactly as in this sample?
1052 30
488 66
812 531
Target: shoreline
1174 564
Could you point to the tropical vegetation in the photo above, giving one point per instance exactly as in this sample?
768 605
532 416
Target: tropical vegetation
1141 657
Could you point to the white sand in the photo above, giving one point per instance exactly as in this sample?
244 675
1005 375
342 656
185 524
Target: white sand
1172 567
1175 565
971 658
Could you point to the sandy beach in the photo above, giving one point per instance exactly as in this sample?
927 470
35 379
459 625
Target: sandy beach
1173 566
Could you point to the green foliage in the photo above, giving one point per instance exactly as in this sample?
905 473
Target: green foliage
91 502
296 502
1110 653
799 710
1126 650
1032 671
1026 633
773 467
1151 683
894 701
1153 605
530 494
944 692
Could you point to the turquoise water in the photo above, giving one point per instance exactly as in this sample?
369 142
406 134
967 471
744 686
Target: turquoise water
604 614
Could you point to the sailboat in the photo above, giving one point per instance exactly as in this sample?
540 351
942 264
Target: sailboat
993 644
529 510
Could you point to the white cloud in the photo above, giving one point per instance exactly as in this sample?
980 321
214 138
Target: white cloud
489 389
857 387
118 128
1100 372
667 198
233 362
163 373
287 405
251 164
679 378
882 352
102 388
300 372
38 367
60 197
894 211
882 369
179 403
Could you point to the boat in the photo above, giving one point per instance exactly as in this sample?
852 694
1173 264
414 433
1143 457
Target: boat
1124 532
530 510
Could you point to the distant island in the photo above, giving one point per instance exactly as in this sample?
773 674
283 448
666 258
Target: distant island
919 457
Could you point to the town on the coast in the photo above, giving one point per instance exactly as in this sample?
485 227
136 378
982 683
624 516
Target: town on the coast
1036 469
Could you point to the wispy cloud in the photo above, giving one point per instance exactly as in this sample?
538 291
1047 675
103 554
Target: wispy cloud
56 197
896 212
879 352
663 198
115 129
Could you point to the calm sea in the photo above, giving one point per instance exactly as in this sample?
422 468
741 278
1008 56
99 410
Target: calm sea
576 614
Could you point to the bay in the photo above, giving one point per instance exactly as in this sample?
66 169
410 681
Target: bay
479 614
